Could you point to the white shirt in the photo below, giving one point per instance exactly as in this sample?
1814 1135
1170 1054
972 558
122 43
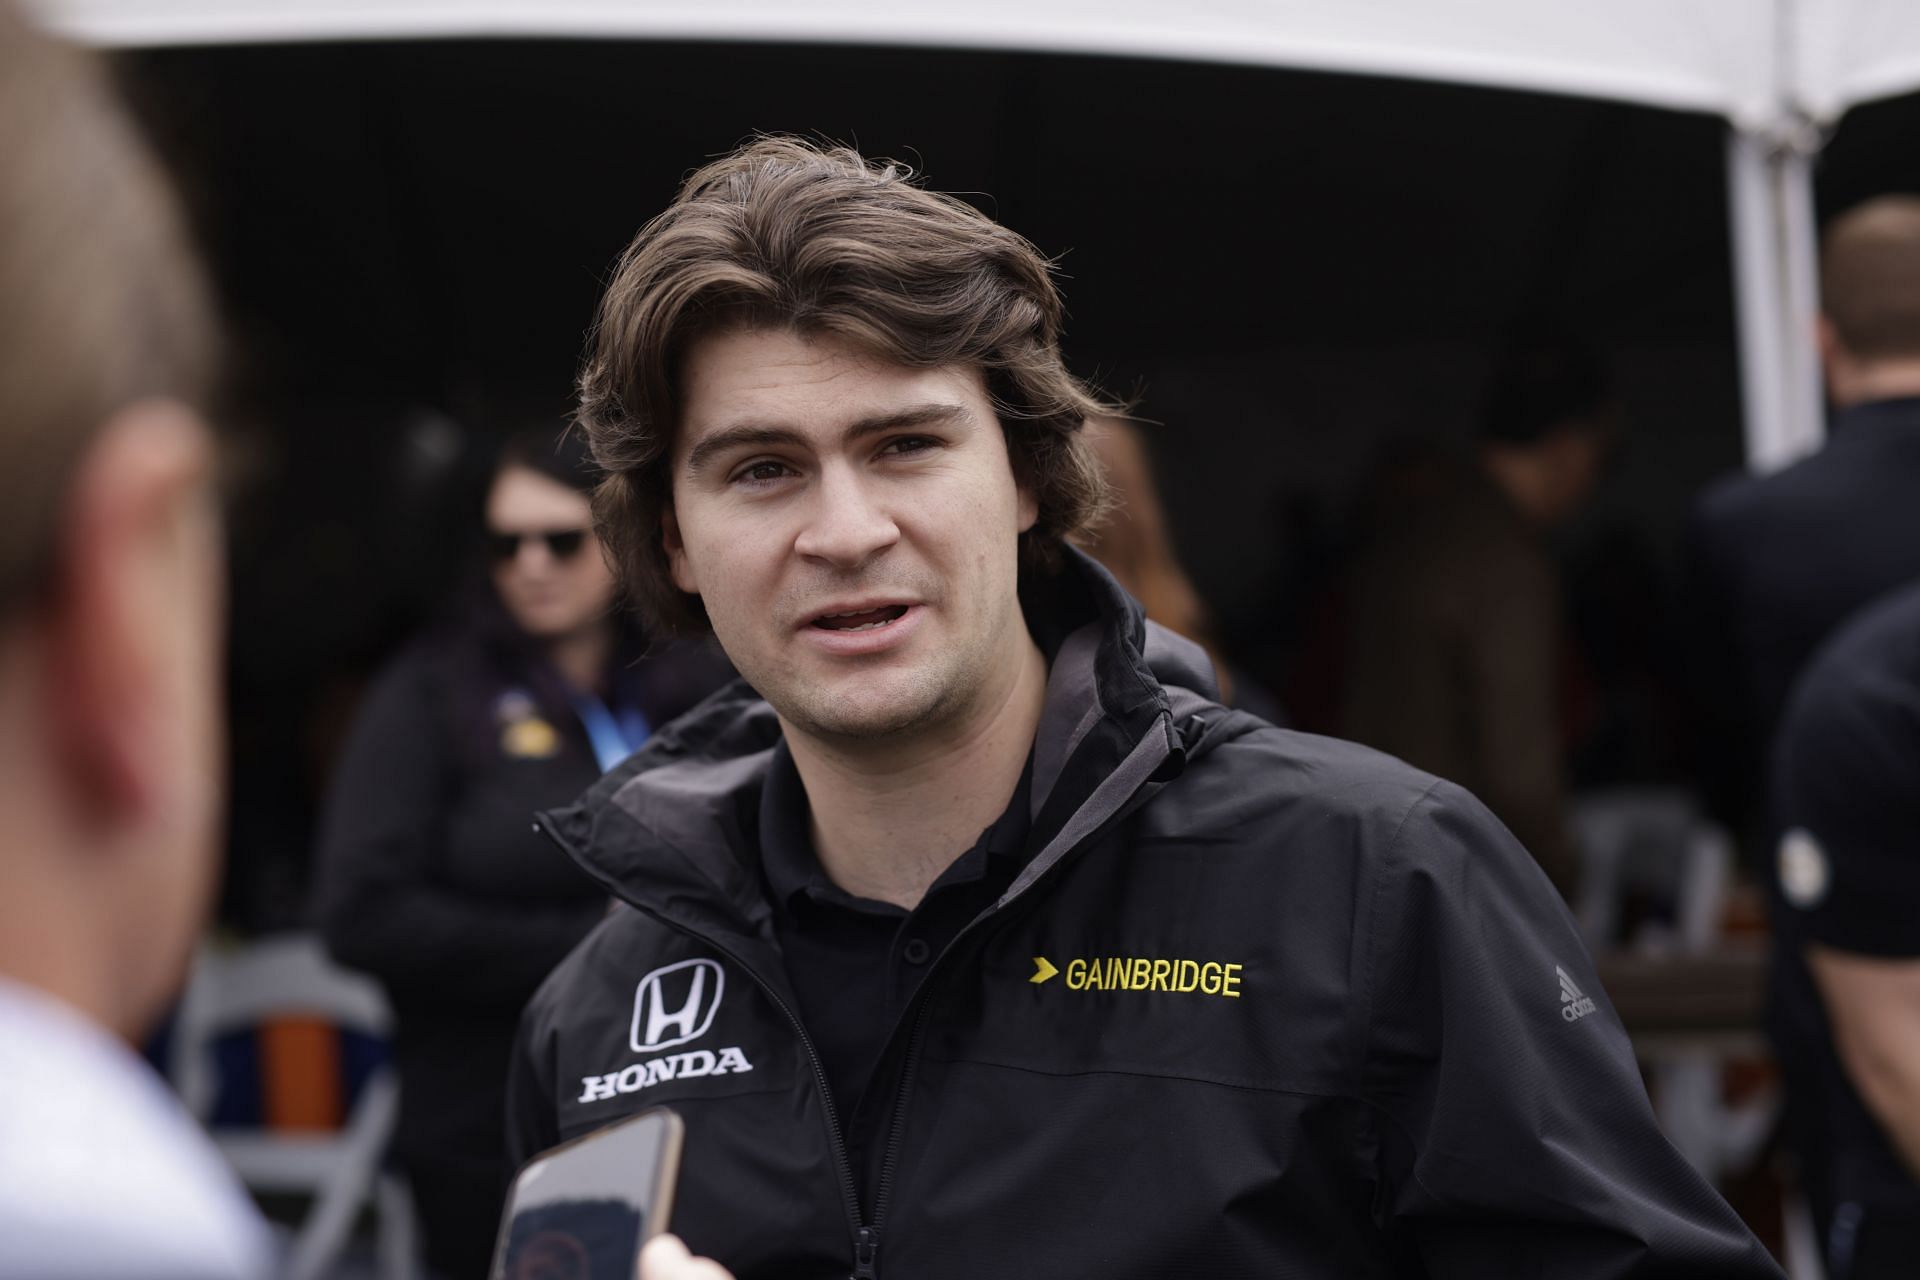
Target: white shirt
102 1174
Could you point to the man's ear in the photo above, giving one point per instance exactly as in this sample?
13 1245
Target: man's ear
1836 362
676 549
1028 509
132 616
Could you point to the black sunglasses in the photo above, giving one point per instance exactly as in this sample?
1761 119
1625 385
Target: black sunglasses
562 544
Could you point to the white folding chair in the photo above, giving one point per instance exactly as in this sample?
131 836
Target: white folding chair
341 1170
1656 841
1653 839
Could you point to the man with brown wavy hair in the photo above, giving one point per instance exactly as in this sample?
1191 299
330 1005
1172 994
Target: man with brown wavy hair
878 264
969 933
110 741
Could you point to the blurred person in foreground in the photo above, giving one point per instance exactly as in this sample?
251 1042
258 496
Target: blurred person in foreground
1845 1012
110 735
1456 607
431 877
1777 561
969 933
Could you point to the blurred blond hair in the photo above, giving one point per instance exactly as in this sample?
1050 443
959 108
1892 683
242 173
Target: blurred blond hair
102 302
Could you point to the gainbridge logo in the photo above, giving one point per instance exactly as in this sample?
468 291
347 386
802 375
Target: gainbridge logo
1143 973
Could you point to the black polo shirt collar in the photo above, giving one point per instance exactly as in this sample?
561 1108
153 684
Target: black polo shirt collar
795 876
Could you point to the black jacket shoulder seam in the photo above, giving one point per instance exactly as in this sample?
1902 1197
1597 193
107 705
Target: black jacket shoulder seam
1382 870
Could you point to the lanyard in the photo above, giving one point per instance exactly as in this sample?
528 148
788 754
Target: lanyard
614 737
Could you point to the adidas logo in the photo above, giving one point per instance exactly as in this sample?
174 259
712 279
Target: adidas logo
1575 1004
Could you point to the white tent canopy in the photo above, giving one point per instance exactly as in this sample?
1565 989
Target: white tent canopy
1840 53
1706 56
1776 70
1747 60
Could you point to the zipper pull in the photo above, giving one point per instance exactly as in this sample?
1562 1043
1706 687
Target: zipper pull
864 1250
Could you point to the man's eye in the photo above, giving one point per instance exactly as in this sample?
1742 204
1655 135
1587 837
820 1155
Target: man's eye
910 444
760 472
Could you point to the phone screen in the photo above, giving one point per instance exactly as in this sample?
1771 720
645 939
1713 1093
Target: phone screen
582 1210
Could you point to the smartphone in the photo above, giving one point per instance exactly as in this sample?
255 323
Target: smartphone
581 1210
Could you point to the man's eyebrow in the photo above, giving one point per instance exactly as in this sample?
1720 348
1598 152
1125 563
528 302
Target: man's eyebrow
745 435
749 435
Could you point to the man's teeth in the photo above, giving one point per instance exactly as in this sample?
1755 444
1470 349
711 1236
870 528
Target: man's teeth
884 616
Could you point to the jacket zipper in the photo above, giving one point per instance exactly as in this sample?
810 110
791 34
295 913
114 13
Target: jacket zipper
865 1264
866 1245
896 1126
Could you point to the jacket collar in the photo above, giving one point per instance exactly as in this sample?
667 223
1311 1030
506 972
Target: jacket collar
673 829
1874 418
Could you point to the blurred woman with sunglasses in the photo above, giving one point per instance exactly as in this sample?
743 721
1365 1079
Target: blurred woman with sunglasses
431 877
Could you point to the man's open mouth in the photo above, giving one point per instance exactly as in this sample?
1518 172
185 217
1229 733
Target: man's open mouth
864 620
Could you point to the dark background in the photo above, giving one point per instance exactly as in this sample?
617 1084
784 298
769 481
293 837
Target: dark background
1290 271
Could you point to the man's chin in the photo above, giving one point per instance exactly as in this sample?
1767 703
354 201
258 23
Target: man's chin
868 715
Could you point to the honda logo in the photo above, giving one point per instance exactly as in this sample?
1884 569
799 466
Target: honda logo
676 1003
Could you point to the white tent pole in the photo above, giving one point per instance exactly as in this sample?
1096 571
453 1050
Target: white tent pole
1776 290
1776 272
1758 299
1800 249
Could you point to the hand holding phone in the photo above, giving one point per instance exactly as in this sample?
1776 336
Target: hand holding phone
582 1210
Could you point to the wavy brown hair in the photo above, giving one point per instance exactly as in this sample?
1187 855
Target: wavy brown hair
786 234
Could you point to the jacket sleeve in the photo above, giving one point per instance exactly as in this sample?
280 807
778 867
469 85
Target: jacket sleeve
383 907
1514 1135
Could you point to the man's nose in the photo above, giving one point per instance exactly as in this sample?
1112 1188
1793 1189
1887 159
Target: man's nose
846 525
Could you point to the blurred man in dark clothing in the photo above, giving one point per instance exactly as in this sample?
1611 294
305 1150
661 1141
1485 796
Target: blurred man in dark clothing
1456 603
1779 560
1845 1013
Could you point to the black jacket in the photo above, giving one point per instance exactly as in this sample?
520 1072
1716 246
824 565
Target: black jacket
1262 1004
1776 562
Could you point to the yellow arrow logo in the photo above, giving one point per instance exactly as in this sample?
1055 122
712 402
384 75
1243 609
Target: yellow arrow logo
1042 969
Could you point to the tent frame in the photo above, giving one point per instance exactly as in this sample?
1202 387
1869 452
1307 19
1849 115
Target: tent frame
1776 288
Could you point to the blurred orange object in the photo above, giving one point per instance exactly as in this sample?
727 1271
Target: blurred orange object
300 1075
